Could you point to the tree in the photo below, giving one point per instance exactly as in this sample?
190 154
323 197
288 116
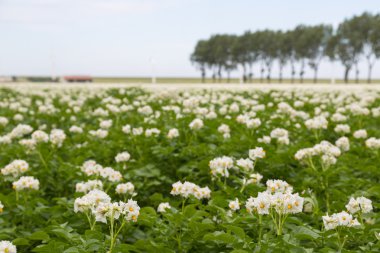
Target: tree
285 52
317 38
349 46
230 62
200 56
268 49
301 43
375 42
241 52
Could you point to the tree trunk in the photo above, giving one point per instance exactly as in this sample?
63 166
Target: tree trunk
315 74
302 72
203 75
280 77
228 76
301 75
268 73
370 66
293 73
346 72
244 73
356 74
220 74
250 76
262 73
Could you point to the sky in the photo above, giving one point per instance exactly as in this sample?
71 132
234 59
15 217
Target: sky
145 37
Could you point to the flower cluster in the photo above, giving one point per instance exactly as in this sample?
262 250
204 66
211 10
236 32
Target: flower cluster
173 133
112 211
196 124
126 188
90 201
373 143
282 203
281 135
318 122
122 157
88 186
92 168
360 204
57 136
257 153
342 219
327 151
98 203
188 189
163 206
275 186
15 168
220 166
26 183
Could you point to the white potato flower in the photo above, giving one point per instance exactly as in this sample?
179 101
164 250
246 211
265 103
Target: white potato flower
234 205
361 204
7 247
125 188
173 133
372 143
256 153
76 129
188 189
220 166
26 182
196 124
15 168
246 164
57 136
40 136
163 206
122 157
360 134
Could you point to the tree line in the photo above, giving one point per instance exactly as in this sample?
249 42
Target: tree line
354 39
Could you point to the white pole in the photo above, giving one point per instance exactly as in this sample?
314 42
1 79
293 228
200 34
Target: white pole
152 69
52 59
240 77
332 73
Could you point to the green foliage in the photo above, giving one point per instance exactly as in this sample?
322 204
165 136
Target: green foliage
45 221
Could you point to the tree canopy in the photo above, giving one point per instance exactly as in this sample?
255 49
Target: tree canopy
354 39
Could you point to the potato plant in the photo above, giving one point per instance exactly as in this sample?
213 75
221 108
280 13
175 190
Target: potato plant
131 170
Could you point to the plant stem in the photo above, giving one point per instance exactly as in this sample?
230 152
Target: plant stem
42 159
183 204
260 228
111 232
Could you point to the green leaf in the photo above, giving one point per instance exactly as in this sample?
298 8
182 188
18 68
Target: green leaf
306 233
39 236
20 241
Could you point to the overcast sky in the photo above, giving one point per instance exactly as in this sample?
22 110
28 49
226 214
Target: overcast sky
120 37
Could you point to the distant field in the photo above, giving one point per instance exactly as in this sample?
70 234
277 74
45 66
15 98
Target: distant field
185 80
190 80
